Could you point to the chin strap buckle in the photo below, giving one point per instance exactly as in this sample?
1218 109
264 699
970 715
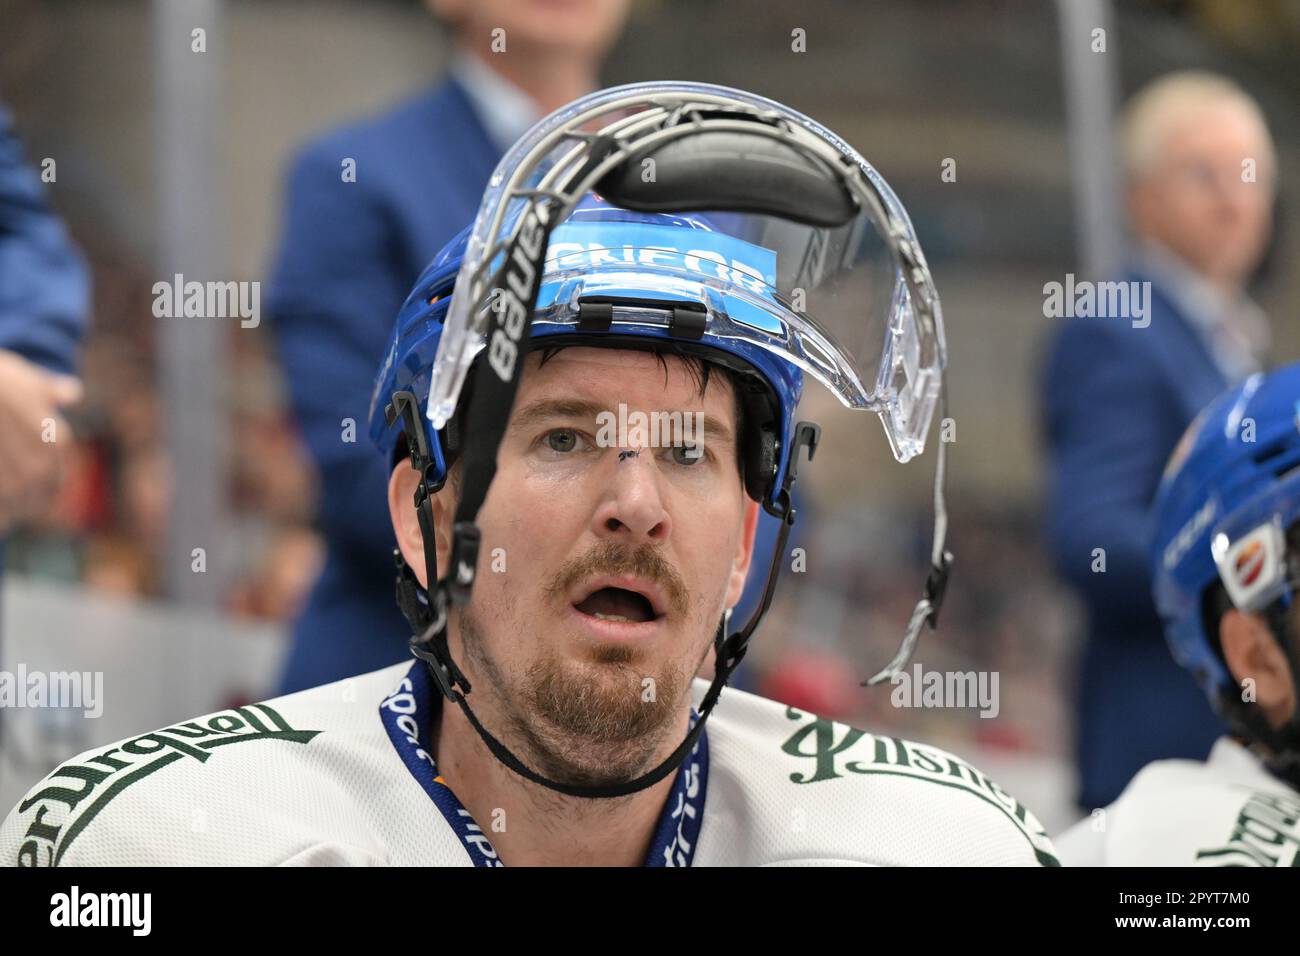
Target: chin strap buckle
806 434
463 563
729 647
430 646
936 584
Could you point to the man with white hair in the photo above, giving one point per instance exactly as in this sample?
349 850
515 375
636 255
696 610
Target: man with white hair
1118 390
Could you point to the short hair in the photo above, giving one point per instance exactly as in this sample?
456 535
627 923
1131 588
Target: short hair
1168 101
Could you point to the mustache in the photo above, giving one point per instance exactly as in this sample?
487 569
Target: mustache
609 558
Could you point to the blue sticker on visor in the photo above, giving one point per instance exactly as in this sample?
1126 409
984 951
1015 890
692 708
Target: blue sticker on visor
620 250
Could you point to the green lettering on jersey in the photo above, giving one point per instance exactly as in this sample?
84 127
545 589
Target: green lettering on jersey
823 740
824 748
159 749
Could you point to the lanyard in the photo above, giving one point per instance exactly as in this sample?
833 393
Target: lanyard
407 715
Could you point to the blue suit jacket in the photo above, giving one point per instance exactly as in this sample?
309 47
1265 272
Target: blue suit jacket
44 290
349 255
1116 400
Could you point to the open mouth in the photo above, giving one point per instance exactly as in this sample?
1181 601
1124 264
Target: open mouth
617 604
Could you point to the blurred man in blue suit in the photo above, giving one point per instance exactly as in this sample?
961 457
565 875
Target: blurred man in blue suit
357 232
44 302
44 307
1118 391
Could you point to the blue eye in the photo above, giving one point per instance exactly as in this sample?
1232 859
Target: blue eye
688 454
562 439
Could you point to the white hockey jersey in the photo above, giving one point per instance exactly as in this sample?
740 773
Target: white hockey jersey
1227 811
338 775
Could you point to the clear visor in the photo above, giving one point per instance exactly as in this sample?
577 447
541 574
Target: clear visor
852 305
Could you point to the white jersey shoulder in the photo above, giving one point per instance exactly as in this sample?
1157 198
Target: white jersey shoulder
313 778
787 787
307 778
1226 811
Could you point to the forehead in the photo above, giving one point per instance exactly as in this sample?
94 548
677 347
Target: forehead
1216 125
633 376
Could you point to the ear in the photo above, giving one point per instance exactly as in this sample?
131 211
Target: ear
1252 653
744 552
406 522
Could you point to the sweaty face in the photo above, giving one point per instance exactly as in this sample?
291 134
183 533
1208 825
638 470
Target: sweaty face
618 554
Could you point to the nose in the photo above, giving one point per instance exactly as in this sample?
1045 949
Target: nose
632 511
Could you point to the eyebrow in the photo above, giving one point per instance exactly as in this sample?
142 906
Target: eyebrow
549 409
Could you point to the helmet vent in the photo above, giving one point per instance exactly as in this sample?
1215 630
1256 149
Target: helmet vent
1270 452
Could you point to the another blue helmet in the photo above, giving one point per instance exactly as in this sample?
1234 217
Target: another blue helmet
1229 494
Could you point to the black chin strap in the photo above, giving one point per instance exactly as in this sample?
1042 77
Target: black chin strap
507 336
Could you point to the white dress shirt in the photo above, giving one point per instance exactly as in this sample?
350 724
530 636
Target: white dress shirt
506 111
1234 327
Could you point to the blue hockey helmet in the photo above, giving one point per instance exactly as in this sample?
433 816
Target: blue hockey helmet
649 276
1229 496
682 217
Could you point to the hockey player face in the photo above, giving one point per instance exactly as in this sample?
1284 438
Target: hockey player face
609 553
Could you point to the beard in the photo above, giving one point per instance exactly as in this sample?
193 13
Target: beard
597 720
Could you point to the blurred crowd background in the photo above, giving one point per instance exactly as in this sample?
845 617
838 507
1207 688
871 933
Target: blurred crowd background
909 82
